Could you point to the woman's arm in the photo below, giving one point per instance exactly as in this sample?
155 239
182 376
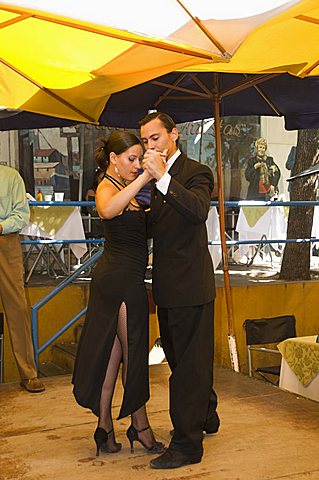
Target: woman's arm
110 203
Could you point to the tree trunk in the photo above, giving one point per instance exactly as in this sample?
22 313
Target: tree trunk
296 258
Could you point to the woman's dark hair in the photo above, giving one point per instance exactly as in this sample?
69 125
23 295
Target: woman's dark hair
118 142
166 120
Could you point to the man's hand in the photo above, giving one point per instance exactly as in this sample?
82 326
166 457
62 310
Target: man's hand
258 165
155 163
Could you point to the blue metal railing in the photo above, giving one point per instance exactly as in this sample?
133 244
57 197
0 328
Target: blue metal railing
49 296
240 203
33 203
268 203
66 203
89 263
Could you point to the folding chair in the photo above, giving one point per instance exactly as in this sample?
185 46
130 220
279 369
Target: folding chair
270 332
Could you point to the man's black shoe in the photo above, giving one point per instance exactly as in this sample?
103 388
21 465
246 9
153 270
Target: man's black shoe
212 424
173 459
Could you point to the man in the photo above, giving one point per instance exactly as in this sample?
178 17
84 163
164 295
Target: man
290 163
14 215
262 174
183 287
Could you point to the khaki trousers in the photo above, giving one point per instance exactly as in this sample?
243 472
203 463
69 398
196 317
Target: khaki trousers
14 302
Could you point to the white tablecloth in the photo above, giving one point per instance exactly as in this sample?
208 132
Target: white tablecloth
299 346
72 229
213 233
315 225
271 222
288 381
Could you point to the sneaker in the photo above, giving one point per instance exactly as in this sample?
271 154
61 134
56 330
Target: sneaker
33 385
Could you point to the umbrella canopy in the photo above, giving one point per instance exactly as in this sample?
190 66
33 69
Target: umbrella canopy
66 58
285 39
65 67
189 96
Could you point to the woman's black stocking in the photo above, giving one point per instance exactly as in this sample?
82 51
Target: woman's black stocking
118 354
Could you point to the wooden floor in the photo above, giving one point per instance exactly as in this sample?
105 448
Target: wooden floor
265 434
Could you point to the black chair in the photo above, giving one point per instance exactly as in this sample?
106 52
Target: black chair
270 332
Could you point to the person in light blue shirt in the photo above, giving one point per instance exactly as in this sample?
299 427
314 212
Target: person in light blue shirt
14 215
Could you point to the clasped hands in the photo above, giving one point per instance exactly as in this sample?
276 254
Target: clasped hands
154 163
259 165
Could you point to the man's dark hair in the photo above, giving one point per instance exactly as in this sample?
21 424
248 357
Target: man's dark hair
166 120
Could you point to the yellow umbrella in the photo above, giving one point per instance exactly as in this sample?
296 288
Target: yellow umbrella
287 42
68 68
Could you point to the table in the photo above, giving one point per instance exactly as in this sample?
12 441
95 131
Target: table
300 366
255 223
56 223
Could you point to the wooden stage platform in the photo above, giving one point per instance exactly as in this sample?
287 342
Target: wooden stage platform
265 434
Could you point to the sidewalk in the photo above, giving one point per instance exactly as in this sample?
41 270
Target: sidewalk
265 434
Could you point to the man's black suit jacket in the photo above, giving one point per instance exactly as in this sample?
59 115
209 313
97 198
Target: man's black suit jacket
182 267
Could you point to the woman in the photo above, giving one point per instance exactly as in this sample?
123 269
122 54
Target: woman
116 326
262 173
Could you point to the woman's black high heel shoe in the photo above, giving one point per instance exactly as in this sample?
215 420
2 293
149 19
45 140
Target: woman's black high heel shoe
101 436
132 435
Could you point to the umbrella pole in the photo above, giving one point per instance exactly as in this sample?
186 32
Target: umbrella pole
228 293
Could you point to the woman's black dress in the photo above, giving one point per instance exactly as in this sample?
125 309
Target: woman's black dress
118 277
